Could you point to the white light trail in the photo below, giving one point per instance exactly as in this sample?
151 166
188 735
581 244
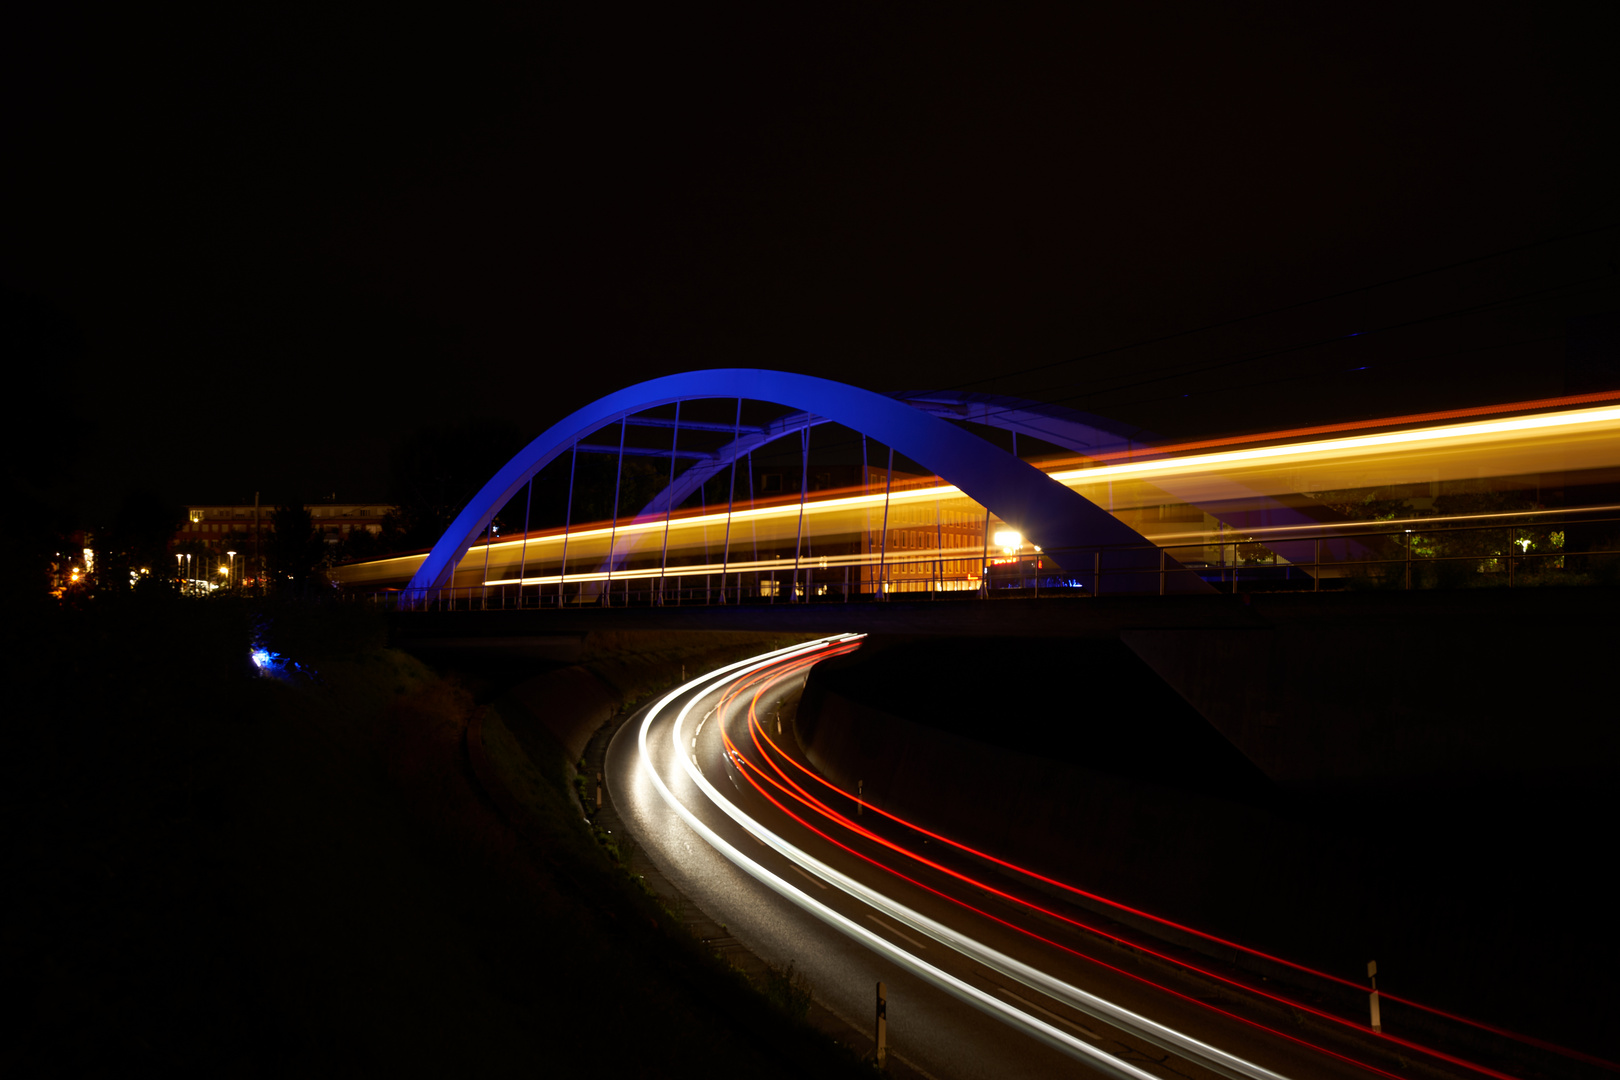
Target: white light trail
1562 440
1220 1061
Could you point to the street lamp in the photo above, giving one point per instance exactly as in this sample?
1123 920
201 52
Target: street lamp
230 576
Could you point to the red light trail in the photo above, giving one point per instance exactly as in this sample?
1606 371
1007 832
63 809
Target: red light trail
766 678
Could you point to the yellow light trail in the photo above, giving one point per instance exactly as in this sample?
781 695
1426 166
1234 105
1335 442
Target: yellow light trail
1564 441
1584 422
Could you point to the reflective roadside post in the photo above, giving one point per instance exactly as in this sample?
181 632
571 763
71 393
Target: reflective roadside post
882 1029
1372 977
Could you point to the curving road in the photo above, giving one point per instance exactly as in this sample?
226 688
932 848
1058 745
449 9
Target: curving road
986 976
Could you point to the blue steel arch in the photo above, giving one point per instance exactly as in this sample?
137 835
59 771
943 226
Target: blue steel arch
1058 519
1223 498
1071 430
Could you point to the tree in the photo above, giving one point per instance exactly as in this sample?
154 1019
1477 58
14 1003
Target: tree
35 546
137 541
1484 546
360 545
295 554
436 470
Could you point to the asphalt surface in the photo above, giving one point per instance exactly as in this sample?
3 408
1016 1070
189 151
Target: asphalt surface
1001 991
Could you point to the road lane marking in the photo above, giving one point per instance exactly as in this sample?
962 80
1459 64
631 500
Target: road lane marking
902 936
1081 1028
808 877
986 1001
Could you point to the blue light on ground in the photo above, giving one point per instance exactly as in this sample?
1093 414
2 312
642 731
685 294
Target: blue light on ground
278 666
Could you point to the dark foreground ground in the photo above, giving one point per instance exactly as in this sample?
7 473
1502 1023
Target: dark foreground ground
213 872
1487 894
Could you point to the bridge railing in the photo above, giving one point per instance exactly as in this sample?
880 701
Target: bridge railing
1510 550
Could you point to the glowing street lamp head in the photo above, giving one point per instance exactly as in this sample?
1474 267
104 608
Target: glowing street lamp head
1009 540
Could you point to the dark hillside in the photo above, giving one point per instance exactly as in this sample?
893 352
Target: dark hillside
1089 702
220 873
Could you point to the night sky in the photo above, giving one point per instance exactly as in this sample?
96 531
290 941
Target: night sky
252 252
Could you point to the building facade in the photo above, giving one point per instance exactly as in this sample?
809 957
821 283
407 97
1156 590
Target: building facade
219 528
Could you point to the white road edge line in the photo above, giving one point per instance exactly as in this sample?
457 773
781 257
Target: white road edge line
903 937
818 884
1081 1028
1212 1057
1047 1033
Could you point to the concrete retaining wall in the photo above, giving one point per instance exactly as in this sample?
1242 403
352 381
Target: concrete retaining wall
1186 856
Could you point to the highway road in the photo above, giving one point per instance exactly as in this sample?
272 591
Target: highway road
986 975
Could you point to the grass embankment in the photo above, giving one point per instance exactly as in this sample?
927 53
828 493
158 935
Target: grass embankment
224 874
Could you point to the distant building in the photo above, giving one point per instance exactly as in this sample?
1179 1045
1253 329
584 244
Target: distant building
221 528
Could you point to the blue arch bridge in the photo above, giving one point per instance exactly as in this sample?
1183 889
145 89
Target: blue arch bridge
744 485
